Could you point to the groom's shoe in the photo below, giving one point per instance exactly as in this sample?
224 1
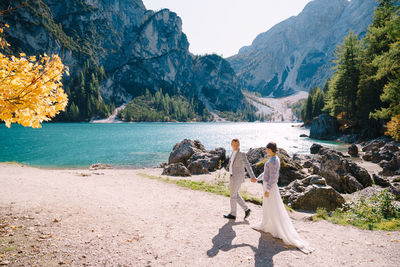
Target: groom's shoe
230 216
247 213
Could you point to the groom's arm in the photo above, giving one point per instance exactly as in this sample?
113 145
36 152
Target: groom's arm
248 166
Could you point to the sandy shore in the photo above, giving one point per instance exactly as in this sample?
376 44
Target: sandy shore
116 217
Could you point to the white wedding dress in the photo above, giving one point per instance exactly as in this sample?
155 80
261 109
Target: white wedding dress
276 220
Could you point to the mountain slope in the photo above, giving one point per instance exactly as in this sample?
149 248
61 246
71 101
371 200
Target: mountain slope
116 49
297 53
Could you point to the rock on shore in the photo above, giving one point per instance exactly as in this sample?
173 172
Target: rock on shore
193 158
306 181
324 127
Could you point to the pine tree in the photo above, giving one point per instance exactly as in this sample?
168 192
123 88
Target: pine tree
377 42
343 87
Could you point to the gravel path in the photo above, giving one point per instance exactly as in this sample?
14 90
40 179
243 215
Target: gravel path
119 218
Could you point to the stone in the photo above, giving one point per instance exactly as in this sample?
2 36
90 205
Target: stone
316 179
389 168
290 169
204 162
183 150
395 190
99 166
324 127
353 150
255 155
381 181
163 164
176 169
373 145
360 173
303 135
196 158
311 193
307 164
342 174
367 156
198 167
390 147
314 149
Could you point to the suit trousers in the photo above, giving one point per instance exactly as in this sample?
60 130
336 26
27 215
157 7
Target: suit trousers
235 198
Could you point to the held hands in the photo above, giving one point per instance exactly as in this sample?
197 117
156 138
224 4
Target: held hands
253 180
266 194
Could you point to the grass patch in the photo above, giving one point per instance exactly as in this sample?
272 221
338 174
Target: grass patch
379 212
218 189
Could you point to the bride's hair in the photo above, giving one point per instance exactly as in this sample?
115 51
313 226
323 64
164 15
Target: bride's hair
272 146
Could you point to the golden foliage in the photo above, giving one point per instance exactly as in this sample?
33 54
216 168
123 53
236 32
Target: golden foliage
393 128
30 88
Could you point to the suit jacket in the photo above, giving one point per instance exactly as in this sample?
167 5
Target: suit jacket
240 162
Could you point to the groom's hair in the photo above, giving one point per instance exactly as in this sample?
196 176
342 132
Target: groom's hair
235 140
272 146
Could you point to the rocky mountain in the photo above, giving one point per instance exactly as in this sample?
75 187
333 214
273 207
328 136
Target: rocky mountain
116 49
297 54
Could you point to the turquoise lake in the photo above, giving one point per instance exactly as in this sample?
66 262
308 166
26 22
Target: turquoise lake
66 145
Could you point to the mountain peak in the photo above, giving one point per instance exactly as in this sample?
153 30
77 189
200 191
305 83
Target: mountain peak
296 54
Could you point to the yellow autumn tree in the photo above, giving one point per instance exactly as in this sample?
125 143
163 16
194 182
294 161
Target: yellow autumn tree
31 90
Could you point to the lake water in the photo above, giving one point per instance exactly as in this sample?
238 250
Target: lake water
135 145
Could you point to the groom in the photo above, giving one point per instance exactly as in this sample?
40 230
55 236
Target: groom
237 162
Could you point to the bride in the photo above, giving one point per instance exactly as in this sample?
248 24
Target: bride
275 218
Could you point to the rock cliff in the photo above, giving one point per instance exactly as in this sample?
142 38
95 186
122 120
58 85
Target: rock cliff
297 54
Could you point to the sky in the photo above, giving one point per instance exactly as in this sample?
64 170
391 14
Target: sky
224 26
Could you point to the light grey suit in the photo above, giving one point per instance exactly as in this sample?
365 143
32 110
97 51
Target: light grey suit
240 162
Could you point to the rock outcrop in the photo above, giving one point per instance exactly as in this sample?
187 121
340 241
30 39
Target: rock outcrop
341 173
176 169
139 49
384 152
324 127
311 193
297 53
290 169
183 150
192 155
353 150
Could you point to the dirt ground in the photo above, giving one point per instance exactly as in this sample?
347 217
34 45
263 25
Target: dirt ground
116 217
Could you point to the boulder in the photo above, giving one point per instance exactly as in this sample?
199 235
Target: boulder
176 169
307 164
255 155
367 156
290 169
100 166
196 158
390 168
395 190
381 181
183 150
353 150
314 149
373 145
311 193
342 174
324 127
198 167
391 147
208 161
303 135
